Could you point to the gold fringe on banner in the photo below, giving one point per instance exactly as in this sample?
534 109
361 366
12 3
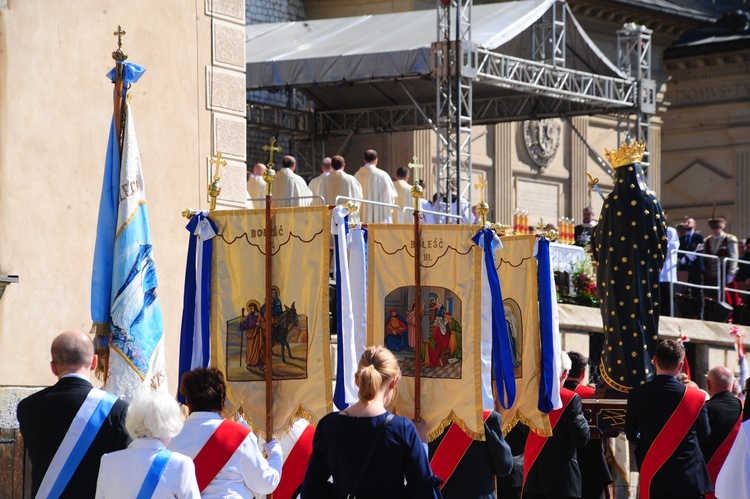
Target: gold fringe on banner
454 419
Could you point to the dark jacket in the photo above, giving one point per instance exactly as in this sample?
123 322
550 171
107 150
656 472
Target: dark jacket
690 243
649 408
723 412
474 477
556 472
44 419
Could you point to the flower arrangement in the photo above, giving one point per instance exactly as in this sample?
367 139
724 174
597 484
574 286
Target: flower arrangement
583 279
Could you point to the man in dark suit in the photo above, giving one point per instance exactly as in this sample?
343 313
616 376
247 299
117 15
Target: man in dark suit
46 416
724 411
681 473
554 472
474 476
694 266
595 474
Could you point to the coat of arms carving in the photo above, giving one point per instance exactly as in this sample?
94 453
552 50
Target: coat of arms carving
542 139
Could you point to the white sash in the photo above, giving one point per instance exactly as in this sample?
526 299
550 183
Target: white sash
76 442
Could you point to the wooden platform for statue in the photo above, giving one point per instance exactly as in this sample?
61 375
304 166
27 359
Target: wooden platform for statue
606 417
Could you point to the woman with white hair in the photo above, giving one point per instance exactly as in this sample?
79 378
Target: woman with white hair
146 468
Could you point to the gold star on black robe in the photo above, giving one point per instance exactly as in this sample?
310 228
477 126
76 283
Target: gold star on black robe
629 244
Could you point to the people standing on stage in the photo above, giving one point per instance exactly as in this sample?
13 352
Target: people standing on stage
668 272
723 245
376 186
208 437
585 229
724 417
595 474
366 450
316 183
551 468
146 468
256 186
694 266
482 461
51 425
288 184
403 189
667 421
340 183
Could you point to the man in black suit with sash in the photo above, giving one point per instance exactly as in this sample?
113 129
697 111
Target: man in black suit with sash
666 420
46 417
694 266
724 410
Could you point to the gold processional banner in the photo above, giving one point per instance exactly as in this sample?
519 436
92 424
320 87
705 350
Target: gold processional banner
299 311
451 304
517 269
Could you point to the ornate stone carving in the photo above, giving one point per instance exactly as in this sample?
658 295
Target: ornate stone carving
542 139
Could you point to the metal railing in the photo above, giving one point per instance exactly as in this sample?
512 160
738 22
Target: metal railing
724 273
431 212
291 198
338 200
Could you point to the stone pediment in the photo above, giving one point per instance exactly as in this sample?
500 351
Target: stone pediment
699 181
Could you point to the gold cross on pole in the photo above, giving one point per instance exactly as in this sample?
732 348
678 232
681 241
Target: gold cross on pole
218 162
271 149
481 184
415 167
119 34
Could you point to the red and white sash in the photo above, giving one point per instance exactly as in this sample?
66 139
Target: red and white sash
717 460
670 436
451 450
218 449
535 443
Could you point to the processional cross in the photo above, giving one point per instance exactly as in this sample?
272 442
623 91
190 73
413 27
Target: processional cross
482 208
214 189
416 189
271 149
119 34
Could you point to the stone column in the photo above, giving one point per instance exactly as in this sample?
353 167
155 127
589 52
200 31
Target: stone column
579 183
225 99
654 169
742 196
504 202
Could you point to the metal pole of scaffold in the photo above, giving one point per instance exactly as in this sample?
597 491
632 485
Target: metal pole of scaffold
416 194
269 176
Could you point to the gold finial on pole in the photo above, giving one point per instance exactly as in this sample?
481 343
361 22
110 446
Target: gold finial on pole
416 190
592 181
189 213
214 188
482 208
540 225
119 55
271 149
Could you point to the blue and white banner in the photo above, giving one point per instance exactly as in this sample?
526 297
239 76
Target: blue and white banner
549 330
345 391
195 333
124 286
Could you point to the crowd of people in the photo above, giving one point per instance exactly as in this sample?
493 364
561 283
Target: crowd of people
688 443
385 198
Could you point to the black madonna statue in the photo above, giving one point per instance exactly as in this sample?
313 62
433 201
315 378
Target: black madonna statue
629 244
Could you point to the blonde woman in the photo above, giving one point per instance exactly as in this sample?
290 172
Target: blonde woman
368 451
146 468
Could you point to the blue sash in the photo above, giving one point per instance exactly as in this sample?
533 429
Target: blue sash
71 450
158 465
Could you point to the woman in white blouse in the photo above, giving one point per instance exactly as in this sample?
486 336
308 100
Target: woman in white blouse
146 468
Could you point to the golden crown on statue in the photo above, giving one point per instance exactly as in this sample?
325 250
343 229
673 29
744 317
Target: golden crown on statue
627 154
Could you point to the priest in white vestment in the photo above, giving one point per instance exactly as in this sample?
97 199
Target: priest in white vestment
316 183
403 189
376 186
256 187
340 183
288 184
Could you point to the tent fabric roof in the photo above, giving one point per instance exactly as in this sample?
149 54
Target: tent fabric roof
388 46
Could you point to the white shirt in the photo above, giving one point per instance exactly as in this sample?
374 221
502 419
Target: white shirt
256 189
733 481
376 186
121 473
288 184
245 472
669 270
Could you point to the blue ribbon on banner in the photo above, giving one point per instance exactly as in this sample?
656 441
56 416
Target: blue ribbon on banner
189 327
502 362
547 351
339 393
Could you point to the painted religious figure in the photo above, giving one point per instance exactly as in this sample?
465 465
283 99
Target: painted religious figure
440 352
